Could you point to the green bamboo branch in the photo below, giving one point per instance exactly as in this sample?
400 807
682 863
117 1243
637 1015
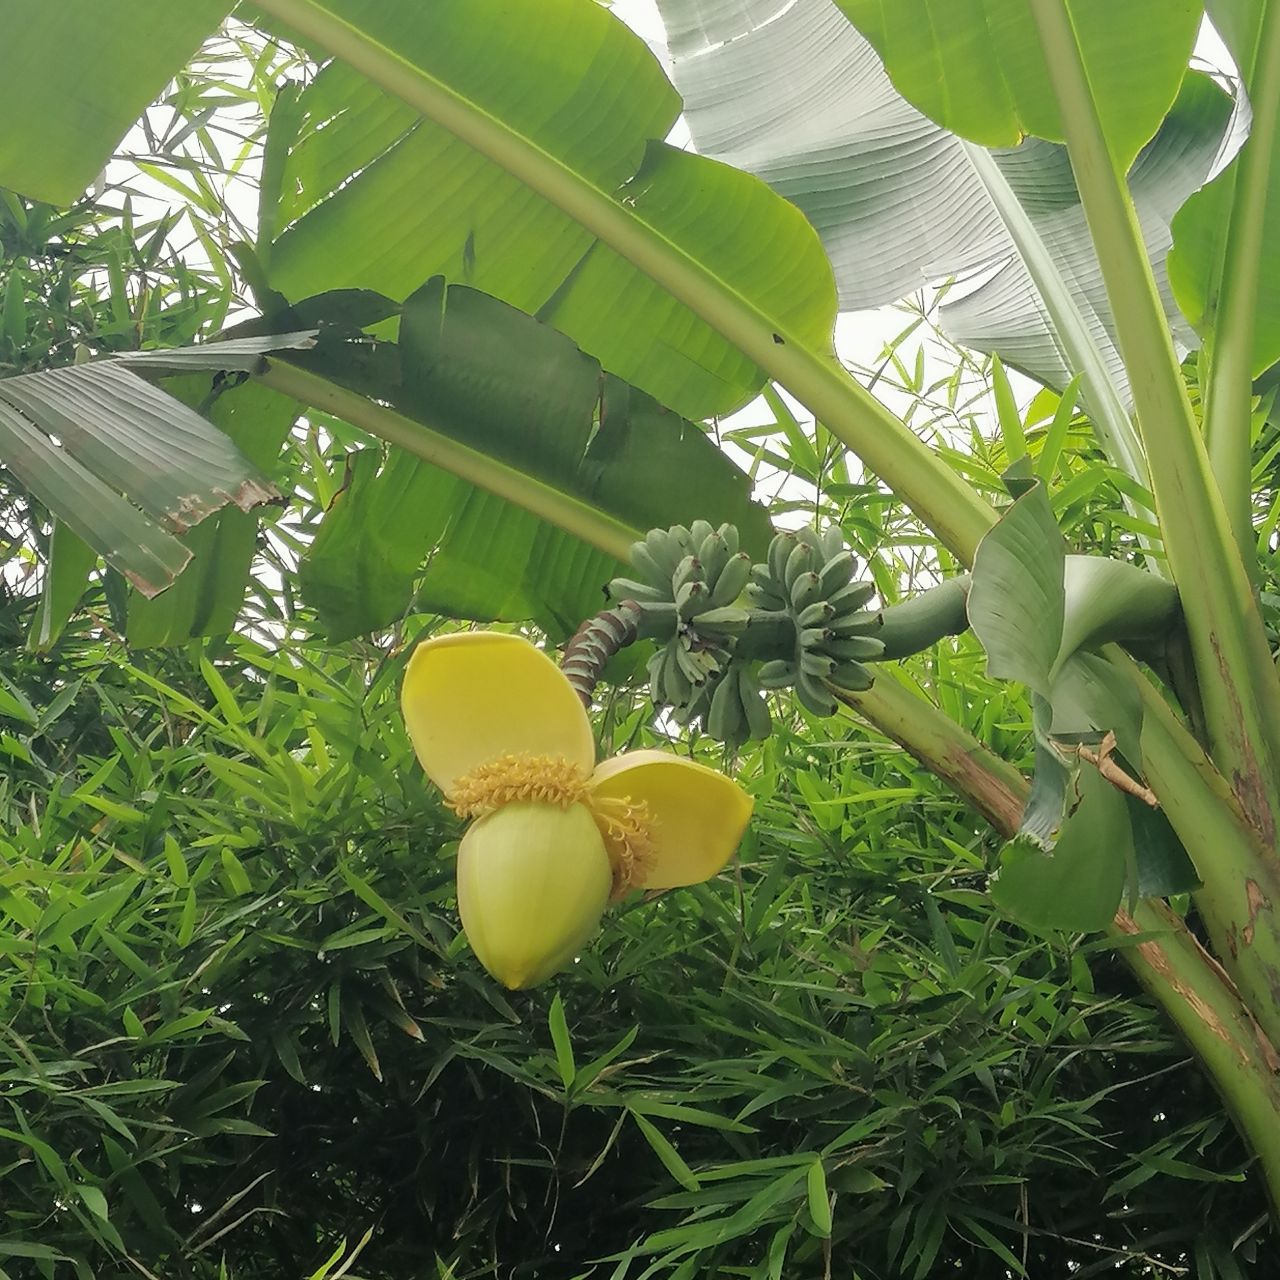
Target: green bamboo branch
564 510
1233 663
1228 400
956 514
1190 986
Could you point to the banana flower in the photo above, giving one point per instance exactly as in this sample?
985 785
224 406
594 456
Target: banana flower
555 837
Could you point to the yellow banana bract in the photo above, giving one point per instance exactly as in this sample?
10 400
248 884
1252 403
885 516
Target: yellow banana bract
497 726
533 882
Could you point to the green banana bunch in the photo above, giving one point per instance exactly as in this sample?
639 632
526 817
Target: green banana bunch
810 576
687 583
697 592
697 572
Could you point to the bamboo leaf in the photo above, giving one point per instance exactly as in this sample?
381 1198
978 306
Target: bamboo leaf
71 560
1007 415
665 1152
900 202
559 1028
818 1198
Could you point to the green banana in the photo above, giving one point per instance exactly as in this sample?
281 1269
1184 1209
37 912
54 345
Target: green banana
713 554
755 707
832 541
817 665
630 589
778 673
779 552
852 676
725 715
811 538
677 687
689 582
664 550
817 614
798 562
649 569
804 591
700 531
693 670
837 572
689 598
851 598
687 571
850 624
763 590
814 696
731 579
657 689
854 648
683 539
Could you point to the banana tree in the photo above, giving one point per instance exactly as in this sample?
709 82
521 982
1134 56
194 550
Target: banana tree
517 150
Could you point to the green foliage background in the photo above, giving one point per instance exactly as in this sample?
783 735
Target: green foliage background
243 1036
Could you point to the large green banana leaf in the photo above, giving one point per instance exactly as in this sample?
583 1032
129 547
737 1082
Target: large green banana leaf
1202 225
485 374
1006 315
374 196
978 67
75 75
794 93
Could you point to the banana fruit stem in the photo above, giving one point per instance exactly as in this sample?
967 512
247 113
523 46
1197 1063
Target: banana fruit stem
767 633
922 621
595 642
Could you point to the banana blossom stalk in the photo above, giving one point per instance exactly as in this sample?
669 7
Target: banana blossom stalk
498 728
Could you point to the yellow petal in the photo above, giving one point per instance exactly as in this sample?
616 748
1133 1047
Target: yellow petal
533 881
697 816
471 697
